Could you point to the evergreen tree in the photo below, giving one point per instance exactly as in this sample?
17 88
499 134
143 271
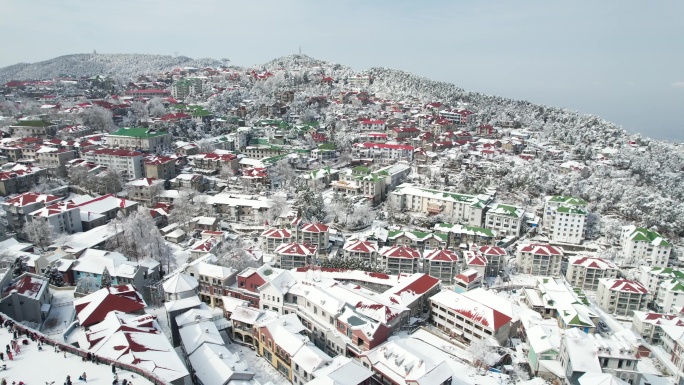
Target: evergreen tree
54 276
18 267
106 280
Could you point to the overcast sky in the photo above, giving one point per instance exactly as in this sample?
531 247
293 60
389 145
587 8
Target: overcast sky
620 59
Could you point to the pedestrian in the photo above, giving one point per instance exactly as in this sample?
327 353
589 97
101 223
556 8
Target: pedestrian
64 353
113 369
83 377
9 354
124 382
7 348
2 356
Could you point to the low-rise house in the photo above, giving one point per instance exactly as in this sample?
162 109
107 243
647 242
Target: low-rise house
31 128
621 296
539 259
342 370
585 272
397 362
469 316
26 298
649 325
214 162
190 181
652 277
581 354
92 263
640 244
475 260
544 342
468 279
361 181
179 286
321 178
95 307
273 237
54 160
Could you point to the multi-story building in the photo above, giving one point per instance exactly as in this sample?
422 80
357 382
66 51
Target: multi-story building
161 167
441 264
214 280
399 259
240 208
63 217
565 219
467 280
128 163
139 139
365 251
420 240
585 272
539 259
360 181
383 151
505 219
581 354
467 208
183 88
54 160
19 179
673 344
640 244
18 207
273 238
470 316
464 236
372 125
649 325
213 163
458 116
145 190
670 296
652 277
496 260
291 255
313 234
31 128
621 296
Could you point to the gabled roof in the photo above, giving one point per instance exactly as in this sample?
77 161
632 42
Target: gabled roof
360 246
277 233
540 249
492 250
624 285
400 252
300 249
441 255
592 263
479 313
28 198
94 307
315 228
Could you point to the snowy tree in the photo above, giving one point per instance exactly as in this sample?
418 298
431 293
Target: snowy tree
285 173
159 250
484 356
54 276
233 254
156 108
86 284
106 280
97 118
311 205
39 232
19 267
278 207
184 208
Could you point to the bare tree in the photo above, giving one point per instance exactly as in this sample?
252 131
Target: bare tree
97 118
39 232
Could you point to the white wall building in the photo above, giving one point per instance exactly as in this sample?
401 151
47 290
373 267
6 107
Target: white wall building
584 272
565 219
506 219
129 163
640 244
621 296
539 259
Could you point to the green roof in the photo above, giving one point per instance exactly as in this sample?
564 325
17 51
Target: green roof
571 210
327 146
33 123
138 132
570 200
576 321
645 235
361 170
274 159
508 210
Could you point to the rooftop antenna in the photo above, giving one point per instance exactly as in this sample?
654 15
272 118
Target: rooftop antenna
300 49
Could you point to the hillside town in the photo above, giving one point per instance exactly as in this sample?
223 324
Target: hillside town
303 223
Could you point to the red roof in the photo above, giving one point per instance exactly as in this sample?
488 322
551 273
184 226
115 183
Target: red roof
296 249
469 277
541 249
628 286
114 152
441 255
369 122
385 146
123 298
29 198
362 247
276 233
315 228
421 285
492 250
401 252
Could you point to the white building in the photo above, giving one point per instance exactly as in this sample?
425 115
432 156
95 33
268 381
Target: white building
63 217
649 325
399 259
640 244
670 296
565 219
506 219
382 151
539 259
140 139
130 164
621 296
467 208
584 272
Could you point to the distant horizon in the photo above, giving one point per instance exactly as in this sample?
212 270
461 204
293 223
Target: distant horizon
599 58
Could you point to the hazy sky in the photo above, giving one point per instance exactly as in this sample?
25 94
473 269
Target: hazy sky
620 59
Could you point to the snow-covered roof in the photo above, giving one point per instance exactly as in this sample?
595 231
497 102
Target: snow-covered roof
196 334
592 262
472 309
180 283
341 371
623 285
540 249
94 307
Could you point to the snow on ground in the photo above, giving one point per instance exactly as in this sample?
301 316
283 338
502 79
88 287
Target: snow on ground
648 365
180 254
62 310
265 372
35 367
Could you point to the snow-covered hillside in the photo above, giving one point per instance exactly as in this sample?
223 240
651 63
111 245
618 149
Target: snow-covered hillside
125 65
